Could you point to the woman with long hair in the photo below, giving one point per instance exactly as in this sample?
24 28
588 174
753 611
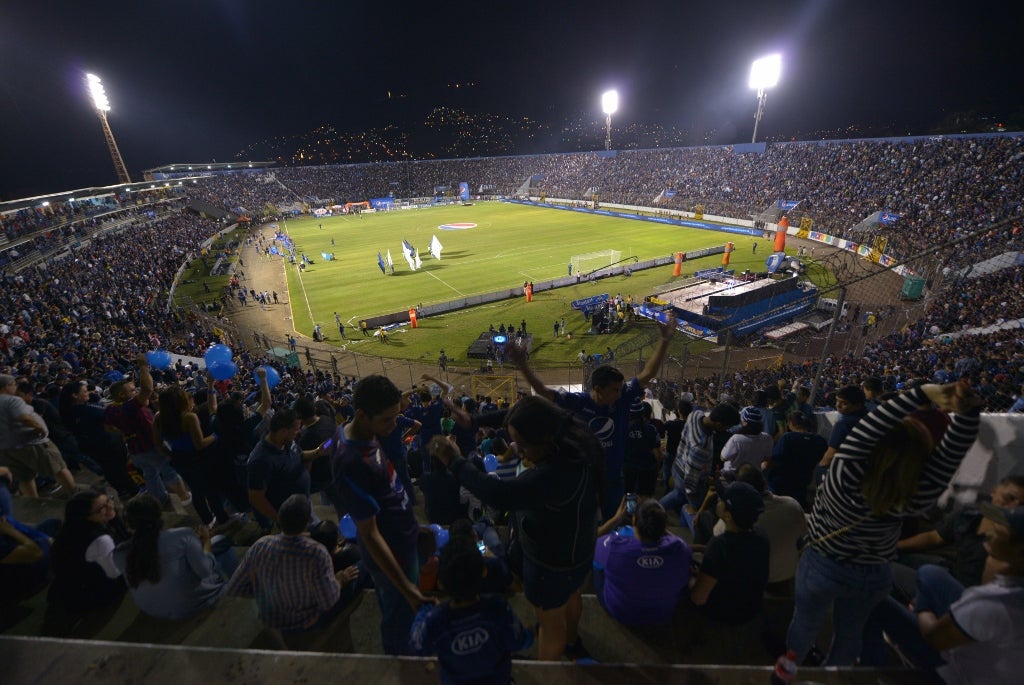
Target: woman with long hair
85 421
170 573
894 464
555 506
85 579
178 435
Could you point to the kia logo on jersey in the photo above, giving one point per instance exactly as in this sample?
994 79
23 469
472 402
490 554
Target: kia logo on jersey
650 562
470 641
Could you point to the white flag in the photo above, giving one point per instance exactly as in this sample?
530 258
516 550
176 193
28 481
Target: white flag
435 247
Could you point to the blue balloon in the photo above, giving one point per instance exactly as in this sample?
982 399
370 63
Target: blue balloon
442 538
625 531
113 376
273 377
217 353
159 359
347 527
222 370
490 463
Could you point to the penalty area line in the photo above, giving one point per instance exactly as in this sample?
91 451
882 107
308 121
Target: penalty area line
443 282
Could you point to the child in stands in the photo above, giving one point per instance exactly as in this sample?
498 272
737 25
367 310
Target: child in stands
473 636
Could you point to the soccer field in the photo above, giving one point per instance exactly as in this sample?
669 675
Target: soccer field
506 245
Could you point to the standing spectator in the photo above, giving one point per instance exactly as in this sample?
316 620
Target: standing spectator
896 464
850 406
749 445
555 504
380 507
695 459
605 408
794 458
25 446
178 435
130 416
643 452
277 466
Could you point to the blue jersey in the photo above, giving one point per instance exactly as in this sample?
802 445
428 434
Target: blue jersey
473 644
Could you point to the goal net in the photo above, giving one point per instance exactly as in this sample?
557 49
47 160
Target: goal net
591 261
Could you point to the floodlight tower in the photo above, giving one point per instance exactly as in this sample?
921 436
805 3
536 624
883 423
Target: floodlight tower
609 103
102 105
764 73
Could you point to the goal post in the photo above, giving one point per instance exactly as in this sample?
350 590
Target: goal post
592 261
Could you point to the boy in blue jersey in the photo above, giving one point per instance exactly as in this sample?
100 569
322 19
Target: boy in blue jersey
473 636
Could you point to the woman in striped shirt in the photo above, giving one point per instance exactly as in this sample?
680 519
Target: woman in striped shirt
894 463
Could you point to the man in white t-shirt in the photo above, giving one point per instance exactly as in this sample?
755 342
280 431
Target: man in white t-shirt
973 635
981 638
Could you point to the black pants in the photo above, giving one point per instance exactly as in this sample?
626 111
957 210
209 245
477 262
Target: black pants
639 480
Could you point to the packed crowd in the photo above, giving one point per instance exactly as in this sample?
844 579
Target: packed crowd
73 332
571 477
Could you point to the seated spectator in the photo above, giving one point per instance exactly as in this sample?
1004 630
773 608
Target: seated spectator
783 522
965 528
292 575
85 580
444 629
170 573
749 445
972 635
24 551
640 578
730 584
497 575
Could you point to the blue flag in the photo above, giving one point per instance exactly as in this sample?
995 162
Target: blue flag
380 263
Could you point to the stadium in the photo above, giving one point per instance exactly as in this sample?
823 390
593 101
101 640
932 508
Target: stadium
329 274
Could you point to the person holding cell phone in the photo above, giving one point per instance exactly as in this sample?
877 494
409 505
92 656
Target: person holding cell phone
640 573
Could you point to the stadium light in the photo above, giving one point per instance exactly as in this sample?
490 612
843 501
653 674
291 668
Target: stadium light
609 105
764 74
102 105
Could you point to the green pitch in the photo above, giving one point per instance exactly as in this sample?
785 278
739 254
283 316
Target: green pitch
509 244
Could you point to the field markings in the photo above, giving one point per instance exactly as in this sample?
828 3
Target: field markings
444 282
304 296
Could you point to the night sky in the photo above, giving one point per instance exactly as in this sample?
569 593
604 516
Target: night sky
197 80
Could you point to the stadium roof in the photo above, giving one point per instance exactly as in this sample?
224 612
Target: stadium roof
205 166
84 193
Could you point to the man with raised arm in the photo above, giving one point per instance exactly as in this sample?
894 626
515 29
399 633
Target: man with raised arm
605 408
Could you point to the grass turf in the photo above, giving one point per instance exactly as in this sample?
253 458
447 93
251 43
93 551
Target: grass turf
509 244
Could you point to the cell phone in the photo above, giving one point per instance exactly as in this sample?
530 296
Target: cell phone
328 442
481 546
630 503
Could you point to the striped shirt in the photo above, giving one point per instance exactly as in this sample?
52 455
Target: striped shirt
841 525
292 579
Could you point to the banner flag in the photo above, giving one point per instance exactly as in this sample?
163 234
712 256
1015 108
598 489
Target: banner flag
390 262
435 247
380 263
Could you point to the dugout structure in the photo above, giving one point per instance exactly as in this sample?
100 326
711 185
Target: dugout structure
593 261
